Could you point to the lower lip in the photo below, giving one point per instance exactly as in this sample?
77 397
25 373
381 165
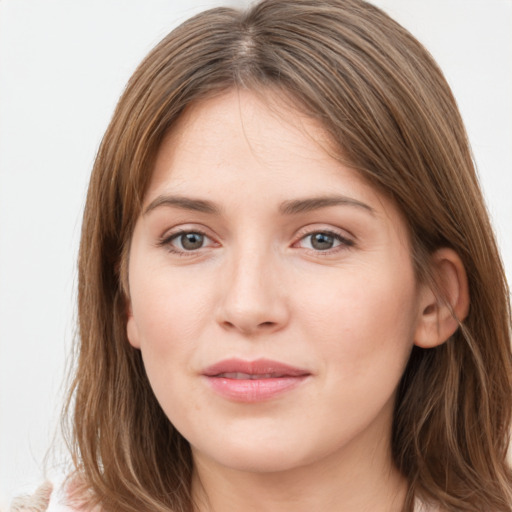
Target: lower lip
254 390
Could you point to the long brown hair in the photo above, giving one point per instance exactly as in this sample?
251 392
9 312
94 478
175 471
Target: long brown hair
391 114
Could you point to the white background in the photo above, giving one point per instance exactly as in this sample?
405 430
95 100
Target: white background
63 64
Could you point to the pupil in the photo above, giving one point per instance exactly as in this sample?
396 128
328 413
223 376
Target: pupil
321 241
191 241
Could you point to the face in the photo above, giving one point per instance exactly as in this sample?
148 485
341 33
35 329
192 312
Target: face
272 293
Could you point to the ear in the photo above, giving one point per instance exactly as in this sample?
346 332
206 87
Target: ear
132 331
443 308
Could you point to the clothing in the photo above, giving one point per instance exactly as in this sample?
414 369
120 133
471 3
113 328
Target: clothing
57 501
50 498
47 498
37 502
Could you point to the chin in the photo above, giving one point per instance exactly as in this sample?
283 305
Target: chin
265 461
249 455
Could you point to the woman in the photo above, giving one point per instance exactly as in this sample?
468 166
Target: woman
289 292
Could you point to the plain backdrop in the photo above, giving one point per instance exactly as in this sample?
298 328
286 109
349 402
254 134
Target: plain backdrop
63 65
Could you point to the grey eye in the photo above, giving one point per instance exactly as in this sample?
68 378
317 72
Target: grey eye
190 241
322 241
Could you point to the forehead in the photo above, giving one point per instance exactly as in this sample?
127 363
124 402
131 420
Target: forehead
249 138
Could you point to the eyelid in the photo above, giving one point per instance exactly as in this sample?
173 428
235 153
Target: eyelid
179 229
325 228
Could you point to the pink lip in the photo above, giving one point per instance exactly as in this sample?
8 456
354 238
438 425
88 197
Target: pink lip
253 381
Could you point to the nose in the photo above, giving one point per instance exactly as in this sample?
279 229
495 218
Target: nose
253 296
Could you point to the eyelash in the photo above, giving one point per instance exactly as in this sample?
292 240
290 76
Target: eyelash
344 242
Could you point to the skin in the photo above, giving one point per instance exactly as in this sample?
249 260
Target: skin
257 287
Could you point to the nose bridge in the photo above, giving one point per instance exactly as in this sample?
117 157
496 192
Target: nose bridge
252 299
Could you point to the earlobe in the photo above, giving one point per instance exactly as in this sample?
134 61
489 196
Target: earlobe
132 331
443 308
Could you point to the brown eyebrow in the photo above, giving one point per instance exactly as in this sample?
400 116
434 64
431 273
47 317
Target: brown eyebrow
291 207
185 203
314 203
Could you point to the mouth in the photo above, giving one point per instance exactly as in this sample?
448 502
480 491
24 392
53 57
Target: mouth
253 381
250 376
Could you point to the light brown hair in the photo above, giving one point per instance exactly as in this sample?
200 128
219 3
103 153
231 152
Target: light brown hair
392 116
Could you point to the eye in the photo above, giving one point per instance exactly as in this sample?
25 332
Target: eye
324 241
187 241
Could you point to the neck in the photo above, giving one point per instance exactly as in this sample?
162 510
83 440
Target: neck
358 478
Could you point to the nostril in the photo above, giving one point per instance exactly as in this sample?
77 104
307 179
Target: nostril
248 328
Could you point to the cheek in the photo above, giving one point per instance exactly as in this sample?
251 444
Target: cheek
169 308
364 320
364 333
168 316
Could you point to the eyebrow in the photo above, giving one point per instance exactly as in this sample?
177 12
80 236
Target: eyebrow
184 203
291 207
315 203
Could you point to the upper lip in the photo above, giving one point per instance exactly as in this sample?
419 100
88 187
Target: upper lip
259 367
